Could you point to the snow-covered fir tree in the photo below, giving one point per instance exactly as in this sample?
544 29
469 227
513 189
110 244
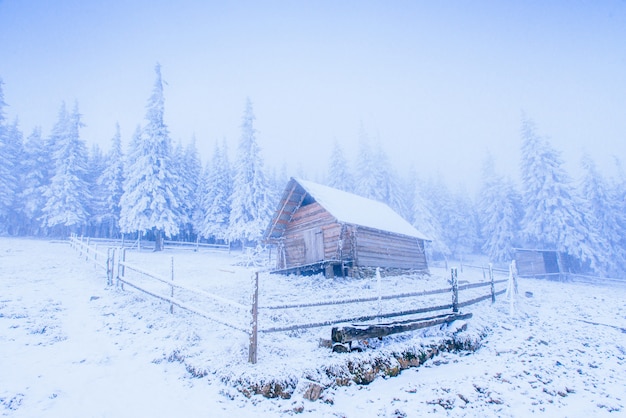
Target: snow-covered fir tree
339 174
151 198
462 229
605 219
426 222
251 199
67 195
13 150
216 196
618 188
35 163
7 177
190 177
96 164
111 184
499 208
366 179
552 219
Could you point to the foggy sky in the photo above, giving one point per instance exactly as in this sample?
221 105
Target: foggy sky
439 84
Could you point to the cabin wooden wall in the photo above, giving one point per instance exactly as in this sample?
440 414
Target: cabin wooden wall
376 248
363 247
308 220
536 263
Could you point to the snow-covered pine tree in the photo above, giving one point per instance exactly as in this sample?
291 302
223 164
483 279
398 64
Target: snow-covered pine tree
67 195
618 188
462 226
604 217
339 174
7 178
96 164
552 219
251 198
427 223
366 181
111 183
14 152
441 204
216 196
190 176
35 162
151 198
499 214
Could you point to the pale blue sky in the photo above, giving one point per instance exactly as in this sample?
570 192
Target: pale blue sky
439 83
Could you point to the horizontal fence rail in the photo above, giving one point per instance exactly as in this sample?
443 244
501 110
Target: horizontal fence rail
119 270
123 267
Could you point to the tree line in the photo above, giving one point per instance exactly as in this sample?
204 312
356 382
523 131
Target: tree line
53 186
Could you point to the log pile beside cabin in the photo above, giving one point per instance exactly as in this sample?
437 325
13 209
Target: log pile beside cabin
318 228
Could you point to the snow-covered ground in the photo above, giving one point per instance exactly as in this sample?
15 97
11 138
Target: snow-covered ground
72 347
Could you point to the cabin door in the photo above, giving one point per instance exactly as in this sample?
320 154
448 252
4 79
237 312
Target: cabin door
313 246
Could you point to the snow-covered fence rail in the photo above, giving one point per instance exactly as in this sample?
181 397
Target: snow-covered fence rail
98 257
195 245
121 272
145 282
452 304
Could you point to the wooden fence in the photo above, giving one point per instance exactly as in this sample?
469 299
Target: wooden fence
119 271
143 244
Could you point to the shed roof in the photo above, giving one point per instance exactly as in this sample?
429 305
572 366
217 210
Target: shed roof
343 206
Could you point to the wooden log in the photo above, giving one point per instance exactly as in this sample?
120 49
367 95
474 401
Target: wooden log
360 332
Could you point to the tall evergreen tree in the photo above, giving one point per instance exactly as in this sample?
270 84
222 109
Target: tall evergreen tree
339 173
67 195
7 178
366 181
13 150
111 184
604 217
32 200
96 164
151 198
251 200
552 218
461 230
499 208
216 196
190 176
424 219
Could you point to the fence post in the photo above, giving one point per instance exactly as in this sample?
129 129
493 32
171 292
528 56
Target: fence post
95 257
493 287
110 264
379 290
252 353
514 271
120 267
80 252
455 290
171 286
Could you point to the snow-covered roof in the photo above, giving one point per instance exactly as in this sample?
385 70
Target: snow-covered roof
352 209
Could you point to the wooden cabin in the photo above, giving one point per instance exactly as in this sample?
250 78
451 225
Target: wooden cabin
318 228
538 263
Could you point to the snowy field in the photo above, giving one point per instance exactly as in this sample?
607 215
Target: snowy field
72 347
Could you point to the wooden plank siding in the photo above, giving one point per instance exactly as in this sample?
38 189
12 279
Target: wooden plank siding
313 236
382 249
312 217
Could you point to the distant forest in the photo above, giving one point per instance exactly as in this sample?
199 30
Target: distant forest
51 186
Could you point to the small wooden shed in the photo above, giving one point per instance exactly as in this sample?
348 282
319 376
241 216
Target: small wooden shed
319 228
538 263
